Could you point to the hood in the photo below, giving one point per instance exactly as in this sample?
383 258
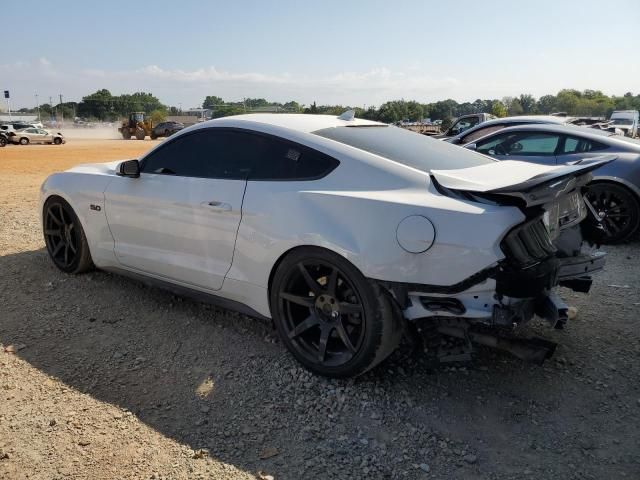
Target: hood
533 183
108 168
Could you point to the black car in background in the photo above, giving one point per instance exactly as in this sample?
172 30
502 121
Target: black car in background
166 129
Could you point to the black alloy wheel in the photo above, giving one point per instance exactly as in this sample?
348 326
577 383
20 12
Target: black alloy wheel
64 237
331 318
614 213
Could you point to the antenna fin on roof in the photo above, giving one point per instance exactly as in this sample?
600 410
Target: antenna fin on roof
348 115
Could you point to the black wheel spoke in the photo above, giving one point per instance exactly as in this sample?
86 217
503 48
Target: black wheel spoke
73 249
322 344
61 210
310 322
344 336
350 308
298 299
54 218
57 249
54 232
309 280
66 254
332 282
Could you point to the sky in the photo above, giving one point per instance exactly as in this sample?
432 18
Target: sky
356 52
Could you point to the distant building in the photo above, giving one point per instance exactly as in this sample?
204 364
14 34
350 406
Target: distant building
4 117
203 113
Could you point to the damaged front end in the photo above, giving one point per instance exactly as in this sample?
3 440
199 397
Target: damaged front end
540 254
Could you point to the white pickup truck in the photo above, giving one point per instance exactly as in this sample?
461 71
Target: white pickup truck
627 121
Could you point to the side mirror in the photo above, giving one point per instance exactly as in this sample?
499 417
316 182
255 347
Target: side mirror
130 168
472 146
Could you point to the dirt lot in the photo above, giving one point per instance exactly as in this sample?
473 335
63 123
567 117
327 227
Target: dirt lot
101 377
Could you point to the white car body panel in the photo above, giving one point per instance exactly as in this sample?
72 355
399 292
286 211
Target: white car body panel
160 225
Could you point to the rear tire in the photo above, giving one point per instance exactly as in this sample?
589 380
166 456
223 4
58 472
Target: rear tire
24 141
618 213
64 237
331 318
57 141
3 142
140 134
126 134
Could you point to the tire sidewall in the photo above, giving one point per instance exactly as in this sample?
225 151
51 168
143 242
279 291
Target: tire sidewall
24 141
373 327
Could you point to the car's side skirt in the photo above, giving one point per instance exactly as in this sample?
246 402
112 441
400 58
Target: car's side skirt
184 291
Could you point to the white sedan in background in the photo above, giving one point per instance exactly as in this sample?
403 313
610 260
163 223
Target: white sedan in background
345 232
37 135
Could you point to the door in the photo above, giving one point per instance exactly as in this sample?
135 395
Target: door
528 146
179 219
45 136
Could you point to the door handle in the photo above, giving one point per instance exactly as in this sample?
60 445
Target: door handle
217 206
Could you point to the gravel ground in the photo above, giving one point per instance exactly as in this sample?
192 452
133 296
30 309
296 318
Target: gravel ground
102 377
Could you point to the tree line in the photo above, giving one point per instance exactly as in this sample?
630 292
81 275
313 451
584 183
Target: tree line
102 105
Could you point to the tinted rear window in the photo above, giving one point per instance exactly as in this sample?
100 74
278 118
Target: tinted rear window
406 147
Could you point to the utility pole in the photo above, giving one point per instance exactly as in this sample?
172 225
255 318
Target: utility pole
51 109
6 96
38 106
61 113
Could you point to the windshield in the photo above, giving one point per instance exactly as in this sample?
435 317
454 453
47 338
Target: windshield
621 121
406 147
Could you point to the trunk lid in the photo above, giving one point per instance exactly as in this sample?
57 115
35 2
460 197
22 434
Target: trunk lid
531 183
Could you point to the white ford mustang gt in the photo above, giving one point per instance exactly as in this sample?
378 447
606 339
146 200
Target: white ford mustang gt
346 232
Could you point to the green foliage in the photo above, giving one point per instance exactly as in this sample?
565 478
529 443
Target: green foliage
158 116
498 109
104 106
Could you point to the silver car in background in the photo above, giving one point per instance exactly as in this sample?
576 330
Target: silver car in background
37 135
491 126
613 196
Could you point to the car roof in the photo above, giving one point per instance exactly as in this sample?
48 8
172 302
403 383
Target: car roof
575 130
301 122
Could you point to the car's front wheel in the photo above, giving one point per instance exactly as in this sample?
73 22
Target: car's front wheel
332 319
64 237
24 141
614 213
57 141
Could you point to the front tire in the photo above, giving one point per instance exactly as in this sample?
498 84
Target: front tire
330 317
140 134
24 141
57 141
617 211
64 237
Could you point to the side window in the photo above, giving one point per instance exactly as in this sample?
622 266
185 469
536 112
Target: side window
581 145
481 132
522 143
283 160
204 154
217 153
464 124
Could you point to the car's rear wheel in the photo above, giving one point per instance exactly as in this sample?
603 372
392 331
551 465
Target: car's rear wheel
65 238
615 216
334 321
57 141
24 141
